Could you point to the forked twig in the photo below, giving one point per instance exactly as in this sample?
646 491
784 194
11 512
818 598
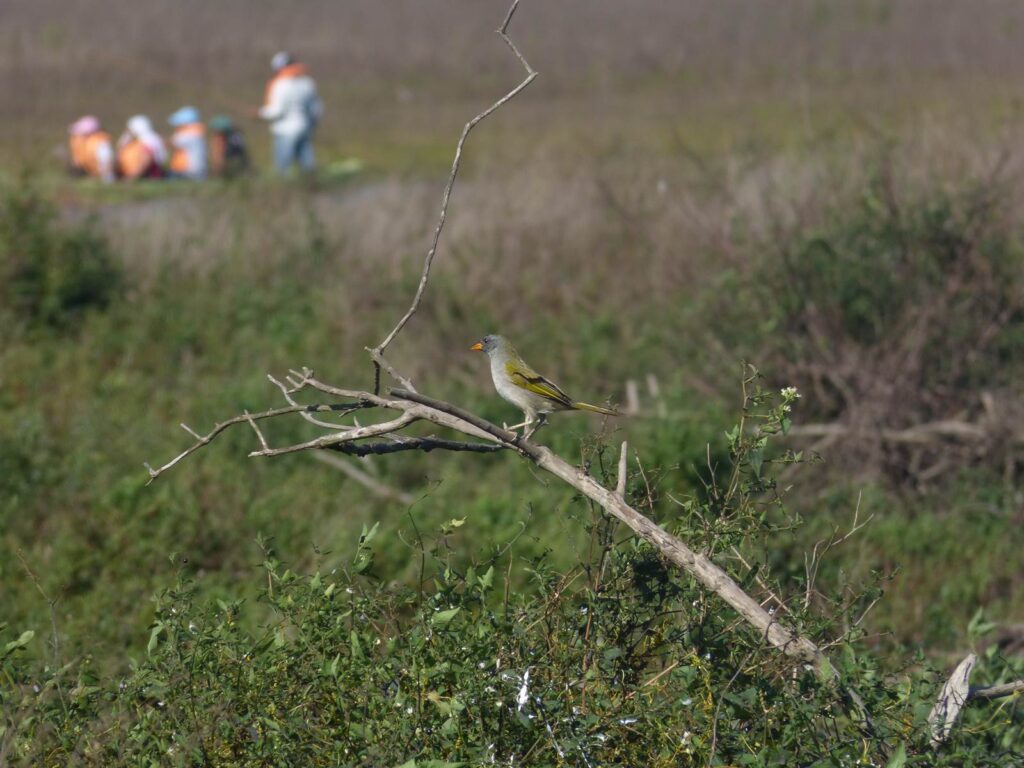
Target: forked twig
377 353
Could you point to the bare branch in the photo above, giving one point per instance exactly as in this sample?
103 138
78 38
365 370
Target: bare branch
425 444
696 564
375 487
491 429
414 407
952 698
957 692
218 428
306 414
998 691
348 435
377 353
259 435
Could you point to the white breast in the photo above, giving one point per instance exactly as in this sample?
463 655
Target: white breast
528 402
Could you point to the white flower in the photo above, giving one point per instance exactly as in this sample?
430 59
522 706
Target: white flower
790 393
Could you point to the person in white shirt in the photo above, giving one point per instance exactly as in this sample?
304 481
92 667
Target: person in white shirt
293 109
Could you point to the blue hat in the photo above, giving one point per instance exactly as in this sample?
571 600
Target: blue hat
184 116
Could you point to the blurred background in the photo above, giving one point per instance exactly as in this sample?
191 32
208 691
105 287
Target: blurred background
827 191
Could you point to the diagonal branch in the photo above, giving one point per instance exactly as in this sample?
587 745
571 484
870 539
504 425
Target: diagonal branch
202 440
425 444
699 566
377 353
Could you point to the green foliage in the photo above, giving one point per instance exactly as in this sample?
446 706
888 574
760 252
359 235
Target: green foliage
50 272
190 341
618 660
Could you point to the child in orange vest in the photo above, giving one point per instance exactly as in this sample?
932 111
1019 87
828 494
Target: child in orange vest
188 145
91 151
141 152
228 154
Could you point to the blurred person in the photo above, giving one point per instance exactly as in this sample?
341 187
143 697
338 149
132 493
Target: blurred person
293 109
229 156
188 145
141 153
91 149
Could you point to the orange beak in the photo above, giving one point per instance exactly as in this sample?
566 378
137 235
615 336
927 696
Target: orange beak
478 347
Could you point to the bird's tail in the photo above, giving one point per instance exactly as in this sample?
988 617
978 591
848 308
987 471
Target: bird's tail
596 409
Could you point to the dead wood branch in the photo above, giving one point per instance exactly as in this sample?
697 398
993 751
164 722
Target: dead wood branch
377 353
375 487
414 407
957 692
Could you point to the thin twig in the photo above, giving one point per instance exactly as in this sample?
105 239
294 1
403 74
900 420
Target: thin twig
306 414
348 435
425 444
373 486
620 485
415 407
377 353
217 429
259 434
51 605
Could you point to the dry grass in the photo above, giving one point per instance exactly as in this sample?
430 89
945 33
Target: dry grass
404 74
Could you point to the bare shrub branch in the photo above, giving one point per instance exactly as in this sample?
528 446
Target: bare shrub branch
377 353
374 486
413 407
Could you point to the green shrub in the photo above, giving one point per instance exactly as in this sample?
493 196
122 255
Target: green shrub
620 660
49 271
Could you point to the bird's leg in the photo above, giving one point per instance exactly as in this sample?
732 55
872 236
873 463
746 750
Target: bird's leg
537 423
514 427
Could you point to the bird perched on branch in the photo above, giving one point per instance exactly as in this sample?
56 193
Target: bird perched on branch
522 386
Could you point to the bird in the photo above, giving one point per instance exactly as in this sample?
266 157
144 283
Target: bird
522 386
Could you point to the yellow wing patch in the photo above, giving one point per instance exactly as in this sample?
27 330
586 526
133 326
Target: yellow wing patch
538 385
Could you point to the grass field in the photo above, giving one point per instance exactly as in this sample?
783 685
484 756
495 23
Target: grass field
828 191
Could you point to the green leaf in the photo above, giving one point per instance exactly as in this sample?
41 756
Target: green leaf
154 638
21 642
444 618
899 757
367 535
487 580
826 672
357 648
756 460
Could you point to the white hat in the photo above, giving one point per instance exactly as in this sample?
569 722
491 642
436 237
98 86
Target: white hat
281 60
140 125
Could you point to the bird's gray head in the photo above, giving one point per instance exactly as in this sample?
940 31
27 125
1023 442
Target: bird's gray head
488 343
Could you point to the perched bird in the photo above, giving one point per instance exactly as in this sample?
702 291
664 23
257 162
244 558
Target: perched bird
522 386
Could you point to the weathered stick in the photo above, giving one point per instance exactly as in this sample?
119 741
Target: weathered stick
694 563
957 692
377 353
